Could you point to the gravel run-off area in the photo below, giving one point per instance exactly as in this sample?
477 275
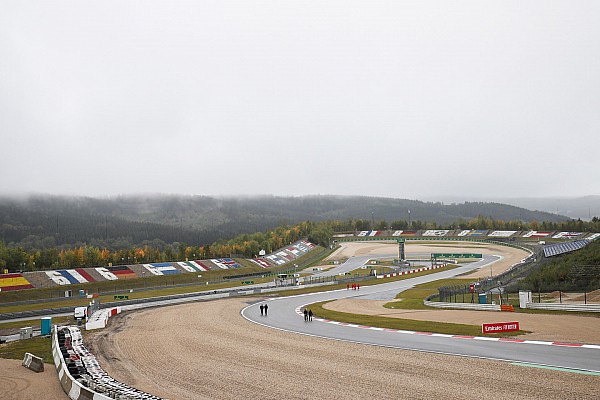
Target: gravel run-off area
208 351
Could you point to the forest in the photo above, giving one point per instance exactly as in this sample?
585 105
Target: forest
579 270
36 222
16 258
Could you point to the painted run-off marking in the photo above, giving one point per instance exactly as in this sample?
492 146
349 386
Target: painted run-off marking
431 334
576 371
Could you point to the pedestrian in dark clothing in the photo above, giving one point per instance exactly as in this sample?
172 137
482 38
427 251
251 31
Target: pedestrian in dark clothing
310 314
266 308
261 309
305 314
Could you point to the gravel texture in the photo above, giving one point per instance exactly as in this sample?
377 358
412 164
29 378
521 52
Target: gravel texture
18 382
208 351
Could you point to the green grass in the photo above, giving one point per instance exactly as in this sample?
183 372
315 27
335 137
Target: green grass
403 324
38 346
370 282
36 323
412 299
171 290
137 294
108 288
153 286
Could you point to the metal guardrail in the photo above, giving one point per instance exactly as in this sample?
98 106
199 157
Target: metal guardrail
462 306
564 307
191 296
36 313
50 311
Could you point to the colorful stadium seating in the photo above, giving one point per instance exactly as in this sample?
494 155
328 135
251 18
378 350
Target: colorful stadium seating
562 248
225 263
160 269
14 282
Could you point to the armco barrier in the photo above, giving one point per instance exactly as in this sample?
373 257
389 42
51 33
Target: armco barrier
463 306
532 306
564 307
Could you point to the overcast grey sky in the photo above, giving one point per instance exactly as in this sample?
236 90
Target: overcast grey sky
405 99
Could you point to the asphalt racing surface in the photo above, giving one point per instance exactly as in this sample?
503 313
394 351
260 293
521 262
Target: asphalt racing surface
282 315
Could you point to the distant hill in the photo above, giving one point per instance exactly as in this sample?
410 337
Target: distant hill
584 208
59 220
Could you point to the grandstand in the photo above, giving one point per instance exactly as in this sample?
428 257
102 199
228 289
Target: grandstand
563 248
14 282
65 277
161 269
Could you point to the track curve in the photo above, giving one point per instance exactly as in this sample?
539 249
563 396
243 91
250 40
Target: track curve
283 315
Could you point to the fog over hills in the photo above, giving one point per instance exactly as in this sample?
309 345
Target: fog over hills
584 208
203 219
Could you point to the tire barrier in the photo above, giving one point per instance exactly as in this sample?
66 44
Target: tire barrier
79 373
36 364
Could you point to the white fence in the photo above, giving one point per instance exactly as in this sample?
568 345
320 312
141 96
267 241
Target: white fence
564 307
463 306
531 306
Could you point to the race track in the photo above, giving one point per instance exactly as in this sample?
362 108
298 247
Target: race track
283 315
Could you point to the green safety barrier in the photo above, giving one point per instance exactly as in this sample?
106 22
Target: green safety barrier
121 297
247 282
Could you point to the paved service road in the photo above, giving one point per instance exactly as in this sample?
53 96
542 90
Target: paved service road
282 315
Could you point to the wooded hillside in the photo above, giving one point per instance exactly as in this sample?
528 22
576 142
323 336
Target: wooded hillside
45 221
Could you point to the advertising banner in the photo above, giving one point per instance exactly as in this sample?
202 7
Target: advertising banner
497 327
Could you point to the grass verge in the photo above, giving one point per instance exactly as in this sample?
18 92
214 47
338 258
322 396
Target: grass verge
363 283
38 346
9 328
412 299
404 324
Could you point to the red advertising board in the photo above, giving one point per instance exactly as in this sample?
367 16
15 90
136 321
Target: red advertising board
500 327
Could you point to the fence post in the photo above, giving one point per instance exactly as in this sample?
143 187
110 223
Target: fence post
584 297
560 296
